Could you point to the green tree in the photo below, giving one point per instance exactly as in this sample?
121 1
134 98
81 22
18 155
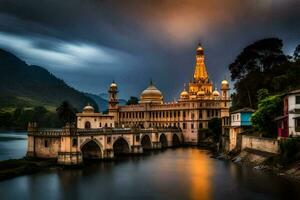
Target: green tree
262 93
132 101
66 113
263 118
255 68
215 127
297 53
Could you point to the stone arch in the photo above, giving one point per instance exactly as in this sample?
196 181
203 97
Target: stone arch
163 140
87 125
146 142
121 146
175 140
91 149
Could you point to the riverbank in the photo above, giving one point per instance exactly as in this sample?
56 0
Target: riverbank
24 166
264 161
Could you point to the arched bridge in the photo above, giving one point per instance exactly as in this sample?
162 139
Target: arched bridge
71 146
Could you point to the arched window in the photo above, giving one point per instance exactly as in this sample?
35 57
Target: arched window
87 125
74 142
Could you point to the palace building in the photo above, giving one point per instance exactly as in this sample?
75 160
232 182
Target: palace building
131 129
196 105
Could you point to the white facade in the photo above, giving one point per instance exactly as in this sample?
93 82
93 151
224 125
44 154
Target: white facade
294 113
88 119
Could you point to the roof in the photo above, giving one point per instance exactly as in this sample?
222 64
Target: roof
280 117
297 91
243 110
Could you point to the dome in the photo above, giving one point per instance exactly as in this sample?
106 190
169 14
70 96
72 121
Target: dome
184 95
224 82
88 109
216 93
200 93
151 95
225 85
113 85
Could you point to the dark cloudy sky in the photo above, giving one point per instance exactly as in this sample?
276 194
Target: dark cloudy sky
88 43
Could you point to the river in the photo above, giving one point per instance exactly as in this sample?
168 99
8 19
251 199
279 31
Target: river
183 173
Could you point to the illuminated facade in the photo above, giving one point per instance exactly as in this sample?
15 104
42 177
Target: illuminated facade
131 129
195 107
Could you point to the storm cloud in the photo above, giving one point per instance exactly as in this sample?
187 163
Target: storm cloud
89 43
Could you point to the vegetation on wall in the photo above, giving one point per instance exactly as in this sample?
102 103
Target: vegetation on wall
269 107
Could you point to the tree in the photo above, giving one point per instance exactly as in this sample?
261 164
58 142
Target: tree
297 53
215 127
132 101
263 118
66 113
262 93
255 68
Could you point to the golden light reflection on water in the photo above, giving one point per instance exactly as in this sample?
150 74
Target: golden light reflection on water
201 171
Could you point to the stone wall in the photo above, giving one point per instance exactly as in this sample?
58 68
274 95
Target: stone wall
262 144
49 150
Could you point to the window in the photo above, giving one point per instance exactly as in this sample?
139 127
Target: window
192 126
105 125
74 142
46 143
87 125
137 138
297 124
297 99
183 125
100 125
200 125
110 124
108 140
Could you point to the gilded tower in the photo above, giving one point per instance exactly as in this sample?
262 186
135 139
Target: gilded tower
200 87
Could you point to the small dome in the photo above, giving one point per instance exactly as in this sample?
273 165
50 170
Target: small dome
200 93
224 82
151 95
113 85
184 93
88 109
216 93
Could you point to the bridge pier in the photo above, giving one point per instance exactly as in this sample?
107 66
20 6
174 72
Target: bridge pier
136 149
108 153
156 145
69 158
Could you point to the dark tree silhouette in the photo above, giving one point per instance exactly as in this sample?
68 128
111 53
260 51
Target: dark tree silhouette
132 101
255 68
66 112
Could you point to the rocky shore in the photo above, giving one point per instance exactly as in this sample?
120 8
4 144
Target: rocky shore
263 161
17 167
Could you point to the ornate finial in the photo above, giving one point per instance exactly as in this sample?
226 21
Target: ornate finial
151 82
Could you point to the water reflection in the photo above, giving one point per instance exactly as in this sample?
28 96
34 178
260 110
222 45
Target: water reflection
183 173
12 145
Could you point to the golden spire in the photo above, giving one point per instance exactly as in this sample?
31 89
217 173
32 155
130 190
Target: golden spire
200 73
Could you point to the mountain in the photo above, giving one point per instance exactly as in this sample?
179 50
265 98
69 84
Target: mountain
102 100
23 85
